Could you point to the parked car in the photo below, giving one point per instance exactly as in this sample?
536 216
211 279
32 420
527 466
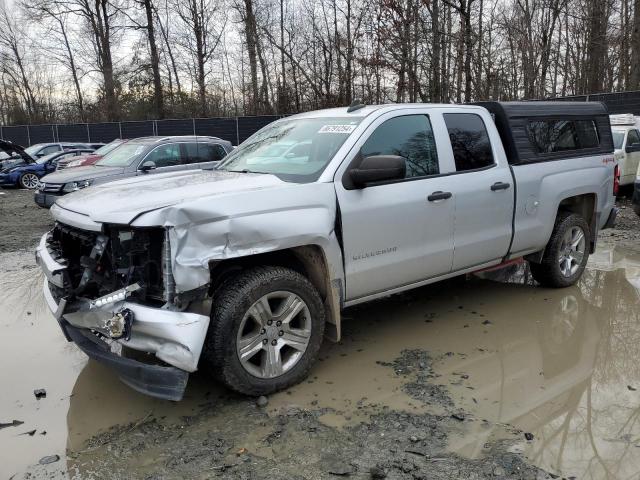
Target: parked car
244 269
42 149
142 156
27 175
626 141
12 155
90 158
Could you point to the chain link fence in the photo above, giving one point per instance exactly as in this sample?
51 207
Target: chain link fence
233 129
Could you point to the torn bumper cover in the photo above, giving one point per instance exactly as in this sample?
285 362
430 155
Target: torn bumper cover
174 337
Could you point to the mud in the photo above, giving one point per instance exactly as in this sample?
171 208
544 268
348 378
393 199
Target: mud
442 382
22 222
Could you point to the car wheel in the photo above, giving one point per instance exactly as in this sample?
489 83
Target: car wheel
266 328
566 254
29 181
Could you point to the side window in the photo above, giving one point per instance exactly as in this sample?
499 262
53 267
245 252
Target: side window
204 152
165 155
409 136
550 136
469 140
49 150
633 138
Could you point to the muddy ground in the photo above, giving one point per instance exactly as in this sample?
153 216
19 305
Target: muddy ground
484 376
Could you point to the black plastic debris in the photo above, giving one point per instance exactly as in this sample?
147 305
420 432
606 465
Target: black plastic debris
486 322
49 459
458 416
633 389
31 433
528 436
40 393
15 423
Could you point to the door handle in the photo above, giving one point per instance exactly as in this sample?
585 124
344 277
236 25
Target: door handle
435 196
500 186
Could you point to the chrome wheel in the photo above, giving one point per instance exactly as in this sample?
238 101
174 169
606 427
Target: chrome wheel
274 334
29 180
572 251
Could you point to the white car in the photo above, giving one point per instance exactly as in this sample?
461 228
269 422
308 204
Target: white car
626 141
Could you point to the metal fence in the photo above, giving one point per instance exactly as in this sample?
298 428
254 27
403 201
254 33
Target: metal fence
619 102
234 129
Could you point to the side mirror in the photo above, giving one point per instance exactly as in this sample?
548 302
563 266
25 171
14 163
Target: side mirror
378 168
147 166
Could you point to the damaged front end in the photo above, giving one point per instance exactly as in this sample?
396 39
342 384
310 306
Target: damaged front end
113 293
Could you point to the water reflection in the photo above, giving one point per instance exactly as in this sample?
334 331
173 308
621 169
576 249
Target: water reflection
555 363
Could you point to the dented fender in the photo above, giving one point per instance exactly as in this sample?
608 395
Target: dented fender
207 230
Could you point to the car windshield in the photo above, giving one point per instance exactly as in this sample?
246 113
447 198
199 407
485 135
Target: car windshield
296 150
123 156
103 150
46 158
618 139
33 149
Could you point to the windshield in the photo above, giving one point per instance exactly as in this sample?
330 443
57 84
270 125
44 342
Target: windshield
296 150
123 156
33 149
107 148
618 139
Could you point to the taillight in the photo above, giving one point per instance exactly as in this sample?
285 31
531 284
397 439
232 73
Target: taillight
616 180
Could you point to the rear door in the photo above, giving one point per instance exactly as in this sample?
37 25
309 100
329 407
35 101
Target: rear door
483 190
203 155
393 234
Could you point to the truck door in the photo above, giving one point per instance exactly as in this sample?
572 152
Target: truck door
393 234
484 193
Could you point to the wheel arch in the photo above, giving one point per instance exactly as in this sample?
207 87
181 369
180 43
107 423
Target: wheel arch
584 205
309 260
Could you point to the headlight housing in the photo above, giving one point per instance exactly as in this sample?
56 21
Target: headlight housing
73 186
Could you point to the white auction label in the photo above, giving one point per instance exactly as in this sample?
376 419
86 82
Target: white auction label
337 129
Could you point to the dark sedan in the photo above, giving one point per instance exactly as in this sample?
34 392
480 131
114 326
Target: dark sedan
142 156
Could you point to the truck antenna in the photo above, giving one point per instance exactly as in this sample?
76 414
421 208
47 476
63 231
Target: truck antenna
355 105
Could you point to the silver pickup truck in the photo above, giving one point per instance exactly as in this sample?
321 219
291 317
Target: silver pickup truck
243 270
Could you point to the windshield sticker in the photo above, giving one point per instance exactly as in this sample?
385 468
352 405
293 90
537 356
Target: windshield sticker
337 129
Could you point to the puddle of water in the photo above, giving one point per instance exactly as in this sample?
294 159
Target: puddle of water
555 363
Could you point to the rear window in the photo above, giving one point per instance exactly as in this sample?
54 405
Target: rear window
560 135
469 141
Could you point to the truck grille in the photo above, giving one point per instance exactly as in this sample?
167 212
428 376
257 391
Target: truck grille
100 263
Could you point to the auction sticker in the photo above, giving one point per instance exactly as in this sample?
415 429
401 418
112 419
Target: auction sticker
337 129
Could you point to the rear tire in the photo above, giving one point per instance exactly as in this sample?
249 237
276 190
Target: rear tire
566 254
266 329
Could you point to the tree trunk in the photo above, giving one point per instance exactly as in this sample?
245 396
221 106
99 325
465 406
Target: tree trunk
158 98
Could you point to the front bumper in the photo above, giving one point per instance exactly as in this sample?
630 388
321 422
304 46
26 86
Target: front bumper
174 337
45 200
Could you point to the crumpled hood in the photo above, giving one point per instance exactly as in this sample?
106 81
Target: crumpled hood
122 201
77 174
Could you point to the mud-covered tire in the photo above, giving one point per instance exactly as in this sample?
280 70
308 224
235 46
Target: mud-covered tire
231 305
548 272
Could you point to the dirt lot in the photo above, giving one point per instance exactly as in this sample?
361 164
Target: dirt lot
486 376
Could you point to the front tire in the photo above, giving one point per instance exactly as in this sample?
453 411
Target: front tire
566 254
266 329
29 181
